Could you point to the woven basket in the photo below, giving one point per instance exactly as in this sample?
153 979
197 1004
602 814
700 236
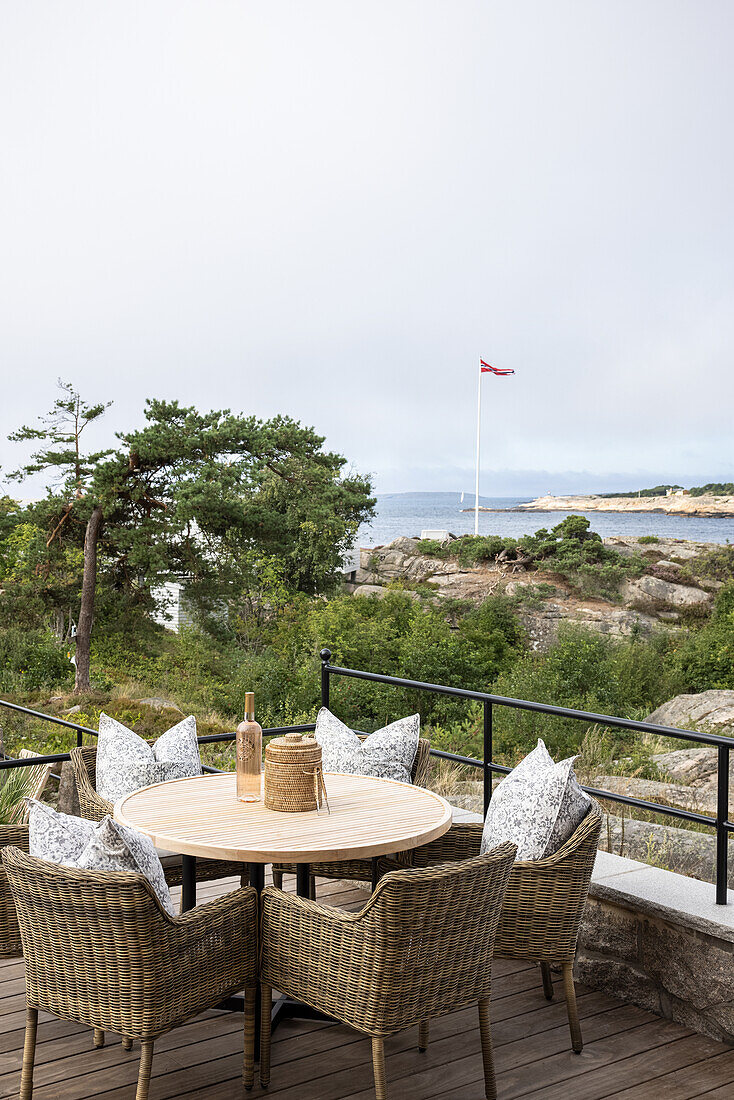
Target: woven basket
294 779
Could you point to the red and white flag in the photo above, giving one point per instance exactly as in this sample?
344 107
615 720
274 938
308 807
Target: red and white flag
485 368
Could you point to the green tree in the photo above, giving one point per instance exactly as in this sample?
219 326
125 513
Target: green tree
227 501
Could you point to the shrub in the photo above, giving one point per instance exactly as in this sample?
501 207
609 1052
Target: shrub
31 660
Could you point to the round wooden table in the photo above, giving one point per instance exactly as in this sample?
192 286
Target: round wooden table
203 817
368 818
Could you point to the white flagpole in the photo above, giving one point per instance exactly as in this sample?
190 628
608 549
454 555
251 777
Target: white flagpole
476 480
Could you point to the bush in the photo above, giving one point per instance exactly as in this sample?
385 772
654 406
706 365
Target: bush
583 671
570 549
31 660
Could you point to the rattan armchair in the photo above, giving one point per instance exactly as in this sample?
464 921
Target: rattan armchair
360 870
100 950
10 944
543 904
95 807
421 947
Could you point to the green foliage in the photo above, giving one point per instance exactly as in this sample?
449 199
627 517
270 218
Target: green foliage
31 660
15 785
704 658
656 491
584 671
570 549
716 488
648 540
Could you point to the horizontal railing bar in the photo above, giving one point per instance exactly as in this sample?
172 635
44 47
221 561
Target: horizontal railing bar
610 796
48 717
273 731
540 708
32 761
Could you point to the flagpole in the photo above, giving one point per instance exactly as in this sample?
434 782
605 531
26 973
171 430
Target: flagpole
476 479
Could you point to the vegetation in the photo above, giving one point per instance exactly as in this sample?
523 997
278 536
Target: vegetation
15 785
656 491
570 549
247 510
716 488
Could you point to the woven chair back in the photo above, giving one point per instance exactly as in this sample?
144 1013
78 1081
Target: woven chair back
10 944
545 900
433 935
89 940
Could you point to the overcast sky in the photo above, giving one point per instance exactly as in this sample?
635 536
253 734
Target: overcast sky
332 209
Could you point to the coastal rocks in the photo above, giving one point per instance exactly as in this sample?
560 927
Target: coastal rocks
680 850
655 790
402 561
380 591
675 504
652 591
156 703
670 551
707 710
542 625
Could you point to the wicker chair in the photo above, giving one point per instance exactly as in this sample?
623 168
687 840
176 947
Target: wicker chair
359 870
100 950
93 806
543 905
421 947
10 944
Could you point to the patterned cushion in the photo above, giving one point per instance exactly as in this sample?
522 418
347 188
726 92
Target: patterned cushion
387 754
59 838
537 806
107 846
125 762
116 847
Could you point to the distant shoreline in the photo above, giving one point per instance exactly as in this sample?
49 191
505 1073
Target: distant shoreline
703 507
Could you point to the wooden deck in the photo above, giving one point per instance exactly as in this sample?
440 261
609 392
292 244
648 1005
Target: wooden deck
629 1054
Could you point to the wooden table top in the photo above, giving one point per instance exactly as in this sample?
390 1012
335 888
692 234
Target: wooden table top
202 817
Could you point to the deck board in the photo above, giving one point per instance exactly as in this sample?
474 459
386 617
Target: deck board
629 1054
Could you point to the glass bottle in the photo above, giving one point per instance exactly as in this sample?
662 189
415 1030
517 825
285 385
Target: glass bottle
249 754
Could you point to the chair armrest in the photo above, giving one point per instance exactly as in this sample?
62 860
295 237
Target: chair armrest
206 953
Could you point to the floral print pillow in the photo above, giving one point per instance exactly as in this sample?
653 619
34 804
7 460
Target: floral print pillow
116 847
108 846
125 762
59 838
537 806
386 754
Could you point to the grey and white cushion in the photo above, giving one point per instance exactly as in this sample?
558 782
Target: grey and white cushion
59 838
125 762
388 753
537 806
116 847
105 846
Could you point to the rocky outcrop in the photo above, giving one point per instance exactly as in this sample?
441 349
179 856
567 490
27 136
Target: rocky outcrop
652 592
708 710
650 602
675 504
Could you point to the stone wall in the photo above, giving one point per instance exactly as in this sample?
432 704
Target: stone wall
657 940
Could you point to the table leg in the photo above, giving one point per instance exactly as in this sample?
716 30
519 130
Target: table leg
188 883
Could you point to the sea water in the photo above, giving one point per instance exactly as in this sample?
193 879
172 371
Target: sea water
411 513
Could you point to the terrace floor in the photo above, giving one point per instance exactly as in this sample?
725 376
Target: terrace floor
629 1054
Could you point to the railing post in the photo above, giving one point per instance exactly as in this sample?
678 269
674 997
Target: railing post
487 754
722 833
325 656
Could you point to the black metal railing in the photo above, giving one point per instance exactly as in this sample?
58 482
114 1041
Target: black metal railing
720 823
